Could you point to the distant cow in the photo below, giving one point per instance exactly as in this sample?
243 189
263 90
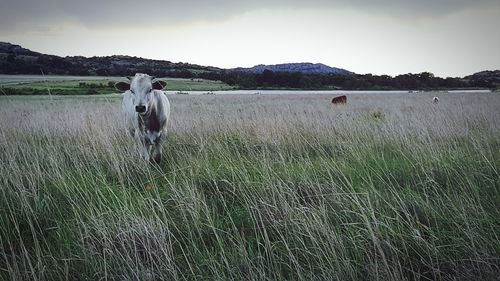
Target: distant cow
146 110
339 100
435 99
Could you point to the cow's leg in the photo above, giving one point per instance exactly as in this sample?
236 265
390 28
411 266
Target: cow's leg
141 145
156 152
145 152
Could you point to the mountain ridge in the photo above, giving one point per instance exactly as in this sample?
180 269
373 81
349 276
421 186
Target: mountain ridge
29 62
15 59
303 67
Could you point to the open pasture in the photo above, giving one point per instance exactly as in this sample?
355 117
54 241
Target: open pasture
254 187
91 85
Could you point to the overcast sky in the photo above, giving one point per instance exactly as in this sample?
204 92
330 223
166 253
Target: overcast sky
446 37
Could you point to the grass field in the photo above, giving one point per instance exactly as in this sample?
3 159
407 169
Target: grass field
255 187
79 85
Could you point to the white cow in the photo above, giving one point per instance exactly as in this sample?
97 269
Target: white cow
146 110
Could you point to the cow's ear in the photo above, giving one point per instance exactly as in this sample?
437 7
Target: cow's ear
122 86
159 85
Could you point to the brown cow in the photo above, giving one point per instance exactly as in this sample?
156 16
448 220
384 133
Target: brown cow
339 100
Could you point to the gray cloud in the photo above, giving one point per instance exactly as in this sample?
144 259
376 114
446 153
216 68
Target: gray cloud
33 15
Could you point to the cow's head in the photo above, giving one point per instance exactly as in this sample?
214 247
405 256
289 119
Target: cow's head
141 86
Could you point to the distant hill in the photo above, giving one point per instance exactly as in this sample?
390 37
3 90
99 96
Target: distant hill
306 68
15 59
8 48
487 79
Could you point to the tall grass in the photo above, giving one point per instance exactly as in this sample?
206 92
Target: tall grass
388 187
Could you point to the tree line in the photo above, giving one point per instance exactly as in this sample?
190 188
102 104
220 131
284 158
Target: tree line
296 80
126 66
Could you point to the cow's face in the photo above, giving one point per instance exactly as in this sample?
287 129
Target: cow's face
141 87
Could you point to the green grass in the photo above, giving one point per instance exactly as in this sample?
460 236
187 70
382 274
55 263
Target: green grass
18 85
196 85
253 190
89 87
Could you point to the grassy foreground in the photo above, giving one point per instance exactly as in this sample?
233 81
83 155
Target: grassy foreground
35 85
388 187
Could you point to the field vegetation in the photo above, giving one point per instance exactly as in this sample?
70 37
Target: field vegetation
61 85
255 187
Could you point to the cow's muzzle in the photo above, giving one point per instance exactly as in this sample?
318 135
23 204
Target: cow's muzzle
140 108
